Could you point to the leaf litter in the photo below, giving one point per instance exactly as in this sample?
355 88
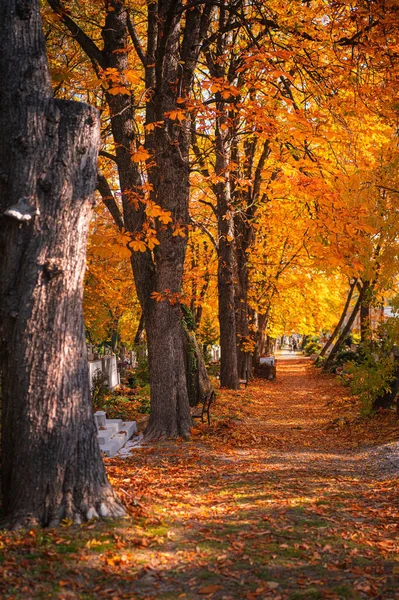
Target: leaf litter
287 495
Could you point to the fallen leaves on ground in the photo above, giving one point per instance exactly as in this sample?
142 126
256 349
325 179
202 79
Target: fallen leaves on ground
277 499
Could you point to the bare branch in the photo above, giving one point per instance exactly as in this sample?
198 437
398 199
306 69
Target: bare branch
108 155
85 42
136 42
109 200
205 230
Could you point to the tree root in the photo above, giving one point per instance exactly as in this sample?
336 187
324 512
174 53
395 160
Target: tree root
110 508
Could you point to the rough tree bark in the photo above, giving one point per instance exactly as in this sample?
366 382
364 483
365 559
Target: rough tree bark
174 39
51 463
244 238
224 212
341 320
346 330
364 312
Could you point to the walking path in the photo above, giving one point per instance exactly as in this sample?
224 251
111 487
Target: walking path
287 496
283 501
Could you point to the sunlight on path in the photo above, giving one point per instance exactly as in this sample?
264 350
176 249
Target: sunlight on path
296 510
279 499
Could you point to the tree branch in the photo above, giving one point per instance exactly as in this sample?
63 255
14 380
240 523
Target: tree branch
85 42
136 42
109 200
205 230
108 155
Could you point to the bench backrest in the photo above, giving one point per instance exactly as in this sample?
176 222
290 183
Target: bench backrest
209 398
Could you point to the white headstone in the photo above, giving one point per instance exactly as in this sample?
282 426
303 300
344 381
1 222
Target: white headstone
94 367
110 368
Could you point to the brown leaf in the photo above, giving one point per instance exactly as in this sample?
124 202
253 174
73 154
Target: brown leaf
209 589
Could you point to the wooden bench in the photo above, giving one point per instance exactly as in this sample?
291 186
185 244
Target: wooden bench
201 410
245 380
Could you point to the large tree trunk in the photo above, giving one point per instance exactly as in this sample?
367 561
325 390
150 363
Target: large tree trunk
227 321
226 258
244 355
341 320
169 63
169 177
51 463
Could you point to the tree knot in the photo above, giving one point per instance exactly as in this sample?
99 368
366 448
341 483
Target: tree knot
53 267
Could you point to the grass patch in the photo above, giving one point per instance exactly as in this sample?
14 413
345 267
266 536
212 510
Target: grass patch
309 594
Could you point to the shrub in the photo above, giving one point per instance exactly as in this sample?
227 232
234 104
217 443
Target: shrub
145 406
312 347
99 386
142 373
370 378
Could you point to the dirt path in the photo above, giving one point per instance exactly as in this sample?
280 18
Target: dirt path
288 496
287 502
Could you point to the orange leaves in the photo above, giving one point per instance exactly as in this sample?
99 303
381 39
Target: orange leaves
152 126
211 520
138 245
132 76
176 115
222 86
179 230
167 295
140 155
118 89
194 431
154 210
209 589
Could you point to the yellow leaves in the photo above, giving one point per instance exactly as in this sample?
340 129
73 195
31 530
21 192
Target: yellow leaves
121 252
116 559
141 155
132 77
93 83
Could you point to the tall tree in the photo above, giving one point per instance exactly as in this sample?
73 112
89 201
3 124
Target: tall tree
174 36
51 463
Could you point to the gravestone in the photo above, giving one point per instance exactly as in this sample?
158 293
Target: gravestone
95 366
215 353
110 368
133 359
266 369
266 360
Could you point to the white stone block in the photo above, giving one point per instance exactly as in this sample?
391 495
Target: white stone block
110 368
115 435
266 360
114 424
110 448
